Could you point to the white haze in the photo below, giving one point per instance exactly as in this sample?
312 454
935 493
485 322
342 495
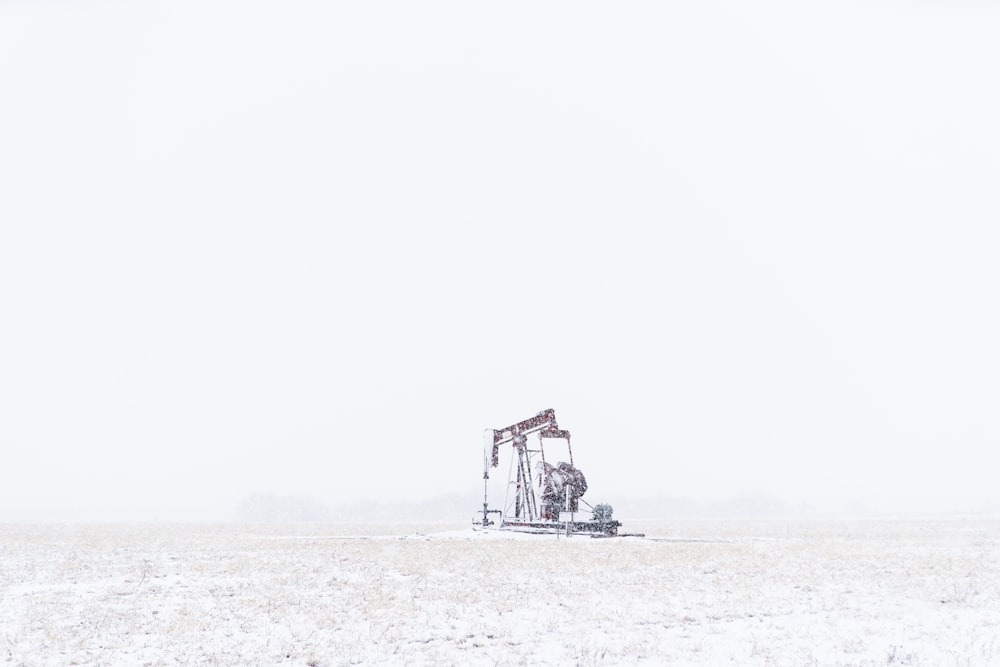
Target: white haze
314 249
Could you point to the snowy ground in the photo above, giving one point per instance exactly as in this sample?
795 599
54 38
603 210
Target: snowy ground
705 593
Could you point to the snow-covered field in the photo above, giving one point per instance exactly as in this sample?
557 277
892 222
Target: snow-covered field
706 593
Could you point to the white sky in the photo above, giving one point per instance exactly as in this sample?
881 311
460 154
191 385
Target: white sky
316 248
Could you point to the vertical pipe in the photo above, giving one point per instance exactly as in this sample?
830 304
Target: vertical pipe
567 509
542 476
487 444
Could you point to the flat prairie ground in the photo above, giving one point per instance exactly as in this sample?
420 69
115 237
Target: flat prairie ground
692 593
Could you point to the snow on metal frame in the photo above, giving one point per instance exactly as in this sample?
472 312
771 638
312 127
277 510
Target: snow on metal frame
546 496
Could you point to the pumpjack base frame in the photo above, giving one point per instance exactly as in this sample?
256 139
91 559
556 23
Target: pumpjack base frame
592 528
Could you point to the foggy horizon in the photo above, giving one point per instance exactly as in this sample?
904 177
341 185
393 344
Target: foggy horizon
313 251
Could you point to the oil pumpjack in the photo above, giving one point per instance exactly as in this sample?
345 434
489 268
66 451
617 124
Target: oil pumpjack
546 496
